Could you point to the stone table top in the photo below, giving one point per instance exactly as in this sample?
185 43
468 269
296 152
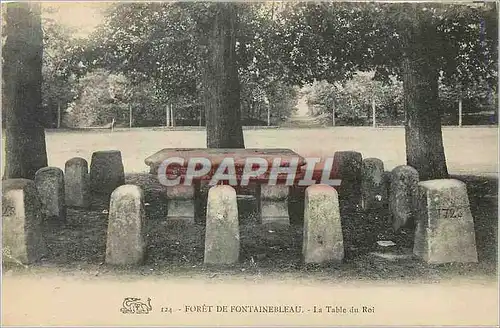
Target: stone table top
217 155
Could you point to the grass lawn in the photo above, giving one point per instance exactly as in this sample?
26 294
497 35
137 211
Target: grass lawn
271 249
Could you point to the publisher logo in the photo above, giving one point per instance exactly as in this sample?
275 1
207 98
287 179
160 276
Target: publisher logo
134 305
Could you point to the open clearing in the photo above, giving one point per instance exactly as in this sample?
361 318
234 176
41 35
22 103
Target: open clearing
471 150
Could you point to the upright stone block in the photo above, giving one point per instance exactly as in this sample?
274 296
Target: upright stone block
273 203
49 182
222 238
181 203
373 185
445 227
76 182
348 166
22 238
323 239
126 239
402 194
106 172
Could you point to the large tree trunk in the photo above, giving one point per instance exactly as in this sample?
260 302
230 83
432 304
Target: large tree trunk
22 91
424 139
222 87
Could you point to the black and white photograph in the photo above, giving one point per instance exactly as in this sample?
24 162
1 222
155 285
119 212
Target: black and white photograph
250 163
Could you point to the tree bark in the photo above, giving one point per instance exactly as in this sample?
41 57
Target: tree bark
58 115
172 114
22 93
222 87
333 113
167 122
374 114
129 115
424 139
460 112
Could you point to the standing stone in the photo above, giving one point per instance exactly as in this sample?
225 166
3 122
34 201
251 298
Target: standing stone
402 193
126 240
49 182
347 165
222 237
22 237
445 227
76 182
323 240
373 185
106 172
273 203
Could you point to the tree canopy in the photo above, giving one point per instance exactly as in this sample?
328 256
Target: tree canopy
279 46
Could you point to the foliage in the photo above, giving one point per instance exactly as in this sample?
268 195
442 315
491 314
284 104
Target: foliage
103 96
257 98
477 97
278 45
148 41
164 44
62 66
330 41
352 100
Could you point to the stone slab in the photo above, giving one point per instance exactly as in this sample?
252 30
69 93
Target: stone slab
217 155
76 183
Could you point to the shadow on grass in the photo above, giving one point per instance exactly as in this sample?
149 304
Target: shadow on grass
178 247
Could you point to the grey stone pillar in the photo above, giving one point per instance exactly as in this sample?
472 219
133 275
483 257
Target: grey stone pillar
49 182
126 237
402 195
22 238
222 237
323 239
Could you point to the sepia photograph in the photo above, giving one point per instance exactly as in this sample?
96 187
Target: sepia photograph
250 163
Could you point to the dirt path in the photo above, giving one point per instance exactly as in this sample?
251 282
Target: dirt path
55 299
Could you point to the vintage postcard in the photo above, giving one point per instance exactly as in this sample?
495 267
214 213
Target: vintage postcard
277 163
